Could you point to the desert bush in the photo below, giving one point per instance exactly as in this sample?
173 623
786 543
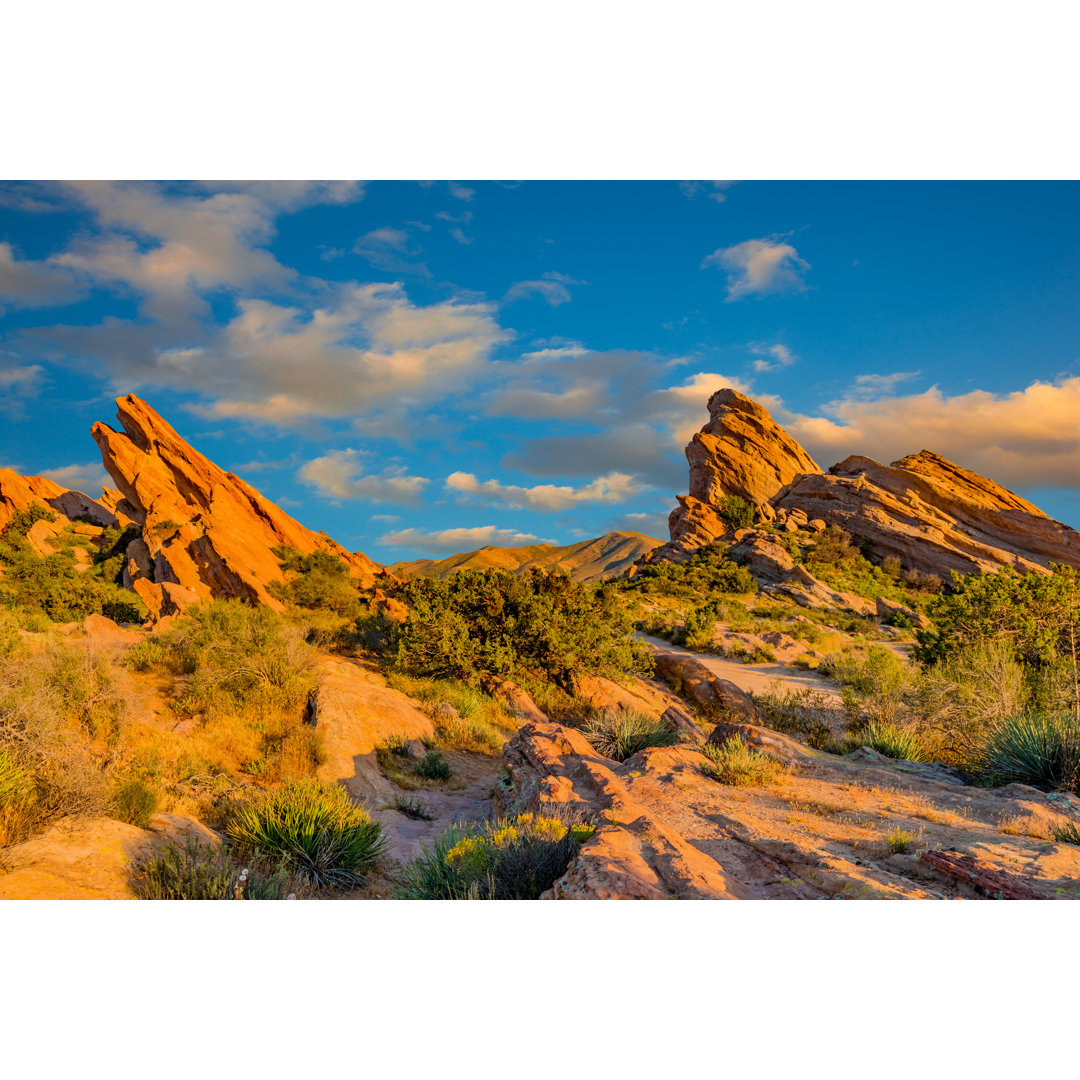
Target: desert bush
805 713
738 765
873 682
236 657
508 859
198 870
1037 749
619 733
314 828
737 512
319 580
899 841
433 766
412 808
709 575
493 621
887 739
135 803
1069 833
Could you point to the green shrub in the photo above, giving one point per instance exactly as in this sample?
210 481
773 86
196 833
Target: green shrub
412 808
237 657
1036 749
619 733
737 512
493 621
16 780
806 713
899 840
135 803
202 871
314 828
507 859
707 576
433 766
317 580
886 739
738 765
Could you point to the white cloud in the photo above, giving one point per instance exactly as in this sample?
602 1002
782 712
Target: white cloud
17 383
458 540
367 347
89 478
388 518
759 267
771 357
545 498
1026 438
340 475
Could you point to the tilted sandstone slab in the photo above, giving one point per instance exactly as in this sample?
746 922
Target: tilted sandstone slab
741 451
203 529
21 492
933 515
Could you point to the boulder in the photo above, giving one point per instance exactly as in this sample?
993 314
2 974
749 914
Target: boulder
887 610
765 559
691 677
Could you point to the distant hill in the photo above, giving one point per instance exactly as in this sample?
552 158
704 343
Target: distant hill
591 560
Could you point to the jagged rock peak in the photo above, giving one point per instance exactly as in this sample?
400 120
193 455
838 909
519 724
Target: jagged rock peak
743 451
205 532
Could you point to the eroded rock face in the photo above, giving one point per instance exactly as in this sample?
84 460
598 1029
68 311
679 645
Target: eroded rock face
741 451
205 531
21 492
934 515
931 513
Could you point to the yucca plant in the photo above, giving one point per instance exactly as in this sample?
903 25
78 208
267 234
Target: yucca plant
892 741
315 828
1032 748
736 764
1069 833
618 734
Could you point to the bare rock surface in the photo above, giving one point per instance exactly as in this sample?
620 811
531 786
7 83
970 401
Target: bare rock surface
86 858
205 531
823 827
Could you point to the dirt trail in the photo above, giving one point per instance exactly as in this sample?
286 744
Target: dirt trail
756 678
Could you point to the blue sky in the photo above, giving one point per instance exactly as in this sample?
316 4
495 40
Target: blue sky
423 368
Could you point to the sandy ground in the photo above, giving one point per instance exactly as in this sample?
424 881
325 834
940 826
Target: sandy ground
756 678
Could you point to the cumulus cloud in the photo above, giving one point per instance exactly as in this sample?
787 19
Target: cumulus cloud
458 540
368 346
340 474
34 282
89 478
1026 438
771 357
546 498
759 267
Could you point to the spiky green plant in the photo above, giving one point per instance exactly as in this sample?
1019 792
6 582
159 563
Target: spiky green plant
135 803
412 808
508 859
1032 748
16 781
891 741
736 764
618 734
313 827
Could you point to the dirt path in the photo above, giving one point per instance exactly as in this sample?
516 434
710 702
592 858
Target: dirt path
756 678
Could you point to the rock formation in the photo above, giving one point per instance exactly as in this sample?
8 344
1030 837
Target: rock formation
205 532
741 451
21 492
934 515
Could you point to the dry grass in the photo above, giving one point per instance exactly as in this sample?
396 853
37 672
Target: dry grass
1039 828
